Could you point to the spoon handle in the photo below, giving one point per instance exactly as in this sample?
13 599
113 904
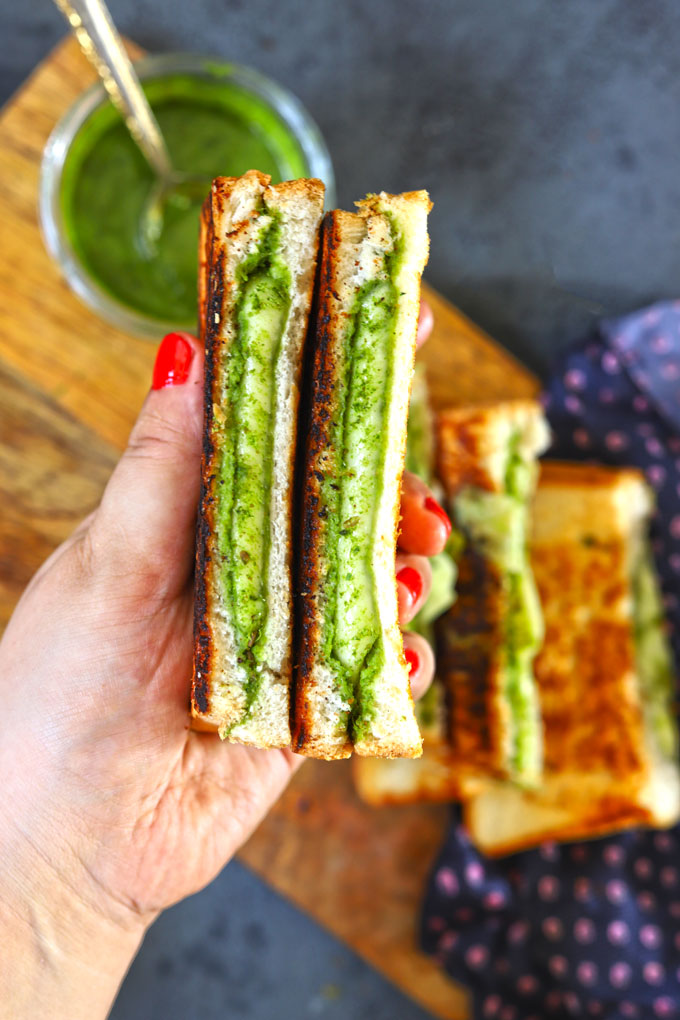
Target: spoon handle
94 29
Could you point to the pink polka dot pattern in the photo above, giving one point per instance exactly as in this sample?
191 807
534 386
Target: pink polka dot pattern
558 966
518 932
586 972
615 891
646 901
671 370
575 379
553 928
620 974
582 889
618 933
474 873
447 941
612 854
642 867
664 1006
447 881
675 527
610 363
661 344
527 984
492 1004
663 842
584 931
650 936
656 474
591 928
548 888
616 441
477 956
653 973
494 900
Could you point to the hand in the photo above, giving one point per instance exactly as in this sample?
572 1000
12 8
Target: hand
424 531
113 808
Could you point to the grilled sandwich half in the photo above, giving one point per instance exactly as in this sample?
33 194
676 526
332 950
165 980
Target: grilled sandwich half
488 640
256 272
352 687
605 672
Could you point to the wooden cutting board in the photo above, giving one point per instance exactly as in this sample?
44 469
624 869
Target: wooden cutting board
70 388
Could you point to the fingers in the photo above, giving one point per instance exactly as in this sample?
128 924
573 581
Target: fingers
425 323
425 526
420 659
149 506
414 580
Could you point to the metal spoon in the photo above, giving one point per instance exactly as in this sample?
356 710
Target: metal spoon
100 42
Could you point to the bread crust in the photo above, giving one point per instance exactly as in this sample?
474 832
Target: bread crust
319 456
470 663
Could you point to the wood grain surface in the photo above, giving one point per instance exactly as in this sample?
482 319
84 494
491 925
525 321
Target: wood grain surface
70 388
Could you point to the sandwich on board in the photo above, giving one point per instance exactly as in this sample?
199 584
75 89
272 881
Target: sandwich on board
605 673
487 464
259 247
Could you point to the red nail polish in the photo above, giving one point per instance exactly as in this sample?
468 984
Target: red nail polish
433 507
173 362
412 659
412 581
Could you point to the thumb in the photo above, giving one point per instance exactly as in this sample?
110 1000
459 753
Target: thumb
149 506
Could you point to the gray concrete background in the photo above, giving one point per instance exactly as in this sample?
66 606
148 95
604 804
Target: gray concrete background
238 952
548 135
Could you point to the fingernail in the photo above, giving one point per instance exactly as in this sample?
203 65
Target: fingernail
412 660
412 581
433 507
173 362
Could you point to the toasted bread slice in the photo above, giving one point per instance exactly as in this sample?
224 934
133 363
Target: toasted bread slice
610 739
352 687
257 266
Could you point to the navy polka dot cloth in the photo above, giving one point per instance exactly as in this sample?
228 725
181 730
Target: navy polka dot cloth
586 929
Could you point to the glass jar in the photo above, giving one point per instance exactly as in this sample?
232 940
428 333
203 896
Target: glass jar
276 119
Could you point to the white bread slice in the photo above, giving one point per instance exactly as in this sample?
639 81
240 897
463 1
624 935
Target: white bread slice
603 770
354 247
237 212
